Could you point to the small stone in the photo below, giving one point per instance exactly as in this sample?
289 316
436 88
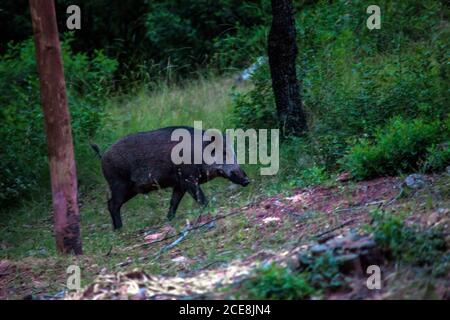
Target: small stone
318 249
415 181
365 243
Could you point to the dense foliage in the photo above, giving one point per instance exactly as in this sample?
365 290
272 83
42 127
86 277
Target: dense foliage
152 37
410 244
23 153
355 80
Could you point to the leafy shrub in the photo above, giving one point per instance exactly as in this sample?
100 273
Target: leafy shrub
323 271
438 158
187 34
256 108
409 244
23 153
241 49
310 176
401 146
274 282
355 80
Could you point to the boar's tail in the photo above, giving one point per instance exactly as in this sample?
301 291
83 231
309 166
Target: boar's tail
96 150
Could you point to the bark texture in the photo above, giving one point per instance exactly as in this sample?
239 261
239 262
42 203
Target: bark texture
282 51
57 126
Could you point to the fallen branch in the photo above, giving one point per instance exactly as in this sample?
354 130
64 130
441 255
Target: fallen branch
379 203
211 264
335 228
398 196
184 234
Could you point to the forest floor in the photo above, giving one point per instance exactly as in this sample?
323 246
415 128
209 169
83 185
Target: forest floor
212 256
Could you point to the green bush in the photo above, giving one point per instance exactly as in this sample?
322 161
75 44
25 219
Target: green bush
241 49
274 282
438 158
23 156
225 34
355 80
256 108
409 244
310 176
401 146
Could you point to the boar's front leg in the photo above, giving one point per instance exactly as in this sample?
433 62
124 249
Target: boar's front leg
177 195
197 193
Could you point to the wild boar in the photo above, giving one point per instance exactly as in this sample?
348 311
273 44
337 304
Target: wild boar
141 163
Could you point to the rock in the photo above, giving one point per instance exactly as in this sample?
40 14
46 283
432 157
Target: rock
340 241
415 181
364 243
318 249
447 169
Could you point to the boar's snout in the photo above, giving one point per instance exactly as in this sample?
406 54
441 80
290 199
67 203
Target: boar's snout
245 182
239 177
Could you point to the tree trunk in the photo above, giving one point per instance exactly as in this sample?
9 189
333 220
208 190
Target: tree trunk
282 55
57 126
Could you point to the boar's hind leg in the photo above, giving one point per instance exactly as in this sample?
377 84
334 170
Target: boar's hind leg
177 195
120 193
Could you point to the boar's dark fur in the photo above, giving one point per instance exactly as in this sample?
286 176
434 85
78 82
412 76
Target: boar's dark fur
141 163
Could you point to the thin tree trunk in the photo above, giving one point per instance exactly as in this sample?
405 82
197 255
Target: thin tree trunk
282 50
57 126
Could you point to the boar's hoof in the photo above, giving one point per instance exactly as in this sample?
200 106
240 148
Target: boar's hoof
170 216
117 225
